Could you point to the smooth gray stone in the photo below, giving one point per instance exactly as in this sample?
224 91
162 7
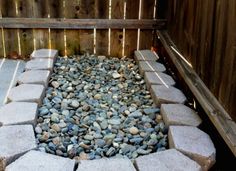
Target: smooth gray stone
40 64
179 114
158 78
40 161
145 55
44 53
18 113
168 160
194 143
150 66
34 77
166 94
27 93
106 165
7 77
15 141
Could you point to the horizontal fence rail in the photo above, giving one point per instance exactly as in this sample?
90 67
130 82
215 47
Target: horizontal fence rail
60 23
102 27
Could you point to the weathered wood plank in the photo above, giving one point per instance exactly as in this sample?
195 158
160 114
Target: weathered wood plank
147 36
117 12
131 35
217 114
25 35
40 35
38 23
10 35
101 12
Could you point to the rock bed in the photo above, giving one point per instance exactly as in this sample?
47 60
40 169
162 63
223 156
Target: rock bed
99 107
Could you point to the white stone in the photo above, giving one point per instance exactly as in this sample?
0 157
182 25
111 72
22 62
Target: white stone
194 143
116 75
179 114
15 141
145 55
168 160
106 165
44 53
158 78
166 94
18 113
40 161
27 93
34 77
39 64
150 66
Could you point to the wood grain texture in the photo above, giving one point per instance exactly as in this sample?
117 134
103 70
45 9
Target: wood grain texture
11 38
147 36
131 35
214 110
68 25
101 12
117 12
204 32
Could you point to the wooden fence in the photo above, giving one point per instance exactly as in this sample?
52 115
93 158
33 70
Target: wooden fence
117 28
205 33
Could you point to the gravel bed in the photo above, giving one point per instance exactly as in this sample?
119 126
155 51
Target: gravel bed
99 107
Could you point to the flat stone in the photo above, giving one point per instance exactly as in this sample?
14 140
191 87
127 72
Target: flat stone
150 66
39 64
158 78
18 113
194 143
15 141
40 161
166 94
106 165
27 93
44 53
179 114
145 55
34 77
167 160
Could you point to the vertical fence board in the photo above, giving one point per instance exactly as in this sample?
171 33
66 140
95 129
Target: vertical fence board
227 89
117 12
204 32
40 35
11 39
146 36
131 35
25 9
101 11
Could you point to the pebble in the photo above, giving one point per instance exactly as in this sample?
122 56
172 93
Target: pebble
55 84
88 137
114 121
136 114
116 75
38 130
75 104
143 152
133 130
56 127
104 124
97 96
55 118
98 107
100 142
